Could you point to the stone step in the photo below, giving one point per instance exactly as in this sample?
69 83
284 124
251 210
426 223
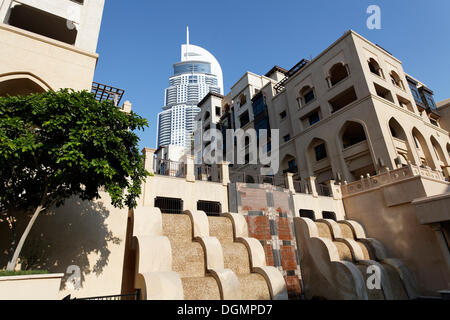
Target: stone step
344 251
177 227
236 257
365 251
188 259
346 231
200 288
253 287
398 289
324 230
221 228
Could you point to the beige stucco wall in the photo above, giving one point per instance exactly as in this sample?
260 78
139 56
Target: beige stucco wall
34 287
395 224
444 111
51 62
87 234
318 204
189 192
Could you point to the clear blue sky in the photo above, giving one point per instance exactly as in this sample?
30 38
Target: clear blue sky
140 40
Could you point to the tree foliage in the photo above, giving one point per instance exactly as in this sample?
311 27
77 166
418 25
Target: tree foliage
55 145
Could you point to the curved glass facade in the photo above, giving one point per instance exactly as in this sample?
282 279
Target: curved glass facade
192 67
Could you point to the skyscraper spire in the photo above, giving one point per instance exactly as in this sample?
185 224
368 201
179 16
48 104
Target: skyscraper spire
187 42
187 35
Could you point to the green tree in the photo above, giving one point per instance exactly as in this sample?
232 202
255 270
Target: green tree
56 145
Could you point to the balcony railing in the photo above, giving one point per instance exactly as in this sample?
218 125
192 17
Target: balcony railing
170 168
323 190
256 178
390 176
302 187
206 172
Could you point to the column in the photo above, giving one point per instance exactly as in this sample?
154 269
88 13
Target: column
225 172
189 162
290 182
335 190
312 186
149 159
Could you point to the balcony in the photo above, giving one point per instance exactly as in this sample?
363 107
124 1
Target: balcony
356 150
400 144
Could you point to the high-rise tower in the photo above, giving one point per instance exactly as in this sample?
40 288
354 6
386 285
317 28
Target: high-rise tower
197 74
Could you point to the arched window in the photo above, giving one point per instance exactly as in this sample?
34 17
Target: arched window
396 81
353 134
422 149
401 143
375 67
396 130
337 73
307 95
19 87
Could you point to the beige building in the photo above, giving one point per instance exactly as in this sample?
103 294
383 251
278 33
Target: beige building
53 44
349 112
49 45
353 115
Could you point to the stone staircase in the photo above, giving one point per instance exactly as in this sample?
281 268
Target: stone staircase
188 259
339 262
236 258
194 257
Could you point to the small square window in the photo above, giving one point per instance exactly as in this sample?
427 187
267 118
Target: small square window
287 137
314 118
283 115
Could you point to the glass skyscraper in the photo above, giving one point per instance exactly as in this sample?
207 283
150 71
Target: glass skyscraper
197 74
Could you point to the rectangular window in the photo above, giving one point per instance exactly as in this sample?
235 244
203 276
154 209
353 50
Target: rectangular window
43 23
211 208
287 137
415 92
404 103
383 93
430 100
434 122
283 115
343 99
314 118
218 111
309 96
321 152
169 205
244 119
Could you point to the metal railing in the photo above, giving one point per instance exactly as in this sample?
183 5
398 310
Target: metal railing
301 187
130 296
323 190
206 172
247 177
169 205
170 168
211 208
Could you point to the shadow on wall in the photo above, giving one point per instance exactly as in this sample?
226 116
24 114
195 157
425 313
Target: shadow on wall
73 235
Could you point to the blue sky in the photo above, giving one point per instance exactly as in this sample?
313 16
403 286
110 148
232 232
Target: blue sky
140 40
